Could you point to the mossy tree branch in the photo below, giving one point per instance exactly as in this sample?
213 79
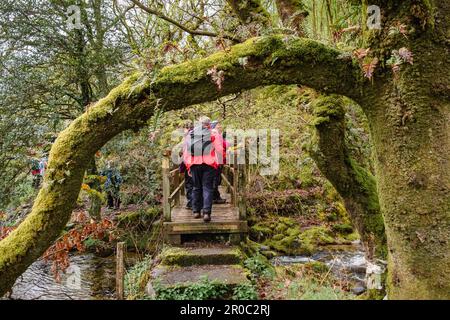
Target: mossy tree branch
258 61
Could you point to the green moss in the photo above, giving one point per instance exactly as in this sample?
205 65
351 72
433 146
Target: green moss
343 228
183 257
278 237
315 236
373 294
327 108
352 236
260 231
373 220
202 290
141 216
316 267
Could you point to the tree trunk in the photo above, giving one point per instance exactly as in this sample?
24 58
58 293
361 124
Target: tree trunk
409 116
356 185
410 130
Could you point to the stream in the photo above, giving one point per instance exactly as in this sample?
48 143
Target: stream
346 262
88 278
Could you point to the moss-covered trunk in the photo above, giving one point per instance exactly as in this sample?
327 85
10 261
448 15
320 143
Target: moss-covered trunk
355 184
411 134
409 116
259 61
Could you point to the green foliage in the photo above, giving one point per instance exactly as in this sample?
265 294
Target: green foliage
90 243
201 290
259 267
245 292
309 281
140 217
205 289
312 290
136 279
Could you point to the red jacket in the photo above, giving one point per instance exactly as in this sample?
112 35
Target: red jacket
211 158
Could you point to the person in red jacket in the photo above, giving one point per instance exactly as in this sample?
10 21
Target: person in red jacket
217 199
202 149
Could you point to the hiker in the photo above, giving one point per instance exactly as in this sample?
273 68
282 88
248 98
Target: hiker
36 173
201 150
112 185
42 166
217 199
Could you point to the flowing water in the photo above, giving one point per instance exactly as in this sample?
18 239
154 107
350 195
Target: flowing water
88 277
91 277
346 262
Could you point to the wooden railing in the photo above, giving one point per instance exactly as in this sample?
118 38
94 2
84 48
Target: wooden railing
233 176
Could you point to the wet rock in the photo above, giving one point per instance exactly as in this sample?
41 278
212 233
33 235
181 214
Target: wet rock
269 254
150 291
358 290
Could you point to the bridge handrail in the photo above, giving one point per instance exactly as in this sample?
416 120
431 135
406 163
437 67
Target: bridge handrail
173 182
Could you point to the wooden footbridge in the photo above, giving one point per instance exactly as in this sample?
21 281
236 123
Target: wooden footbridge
227 219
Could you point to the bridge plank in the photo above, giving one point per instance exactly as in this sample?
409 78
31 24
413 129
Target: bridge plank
224 219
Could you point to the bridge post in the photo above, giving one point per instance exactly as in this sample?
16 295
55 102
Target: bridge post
235 195
166 187
241 194
176 183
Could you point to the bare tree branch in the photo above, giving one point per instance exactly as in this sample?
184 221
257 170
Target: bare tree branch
181 26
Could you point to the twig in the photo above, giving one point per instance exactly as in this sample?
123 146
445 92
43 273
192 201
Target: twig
179 25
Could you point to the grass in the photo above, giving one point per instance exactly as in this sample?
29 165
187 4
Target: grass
310 281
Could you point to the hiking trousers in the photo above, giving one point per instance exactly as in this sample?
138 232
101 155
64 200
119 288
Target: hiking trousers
203 177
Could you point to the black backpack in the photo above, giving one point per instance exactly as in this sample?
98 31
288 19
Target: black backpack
199 141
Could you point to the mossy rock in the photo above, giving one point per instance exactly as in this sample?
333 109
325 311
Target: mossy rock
201 256
317 266
296 242
199 282
260 231
343 228
139 217
317 236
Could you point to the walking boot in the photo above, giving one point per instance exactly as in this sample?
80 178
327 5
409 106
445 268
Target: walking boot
197 215
206 217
